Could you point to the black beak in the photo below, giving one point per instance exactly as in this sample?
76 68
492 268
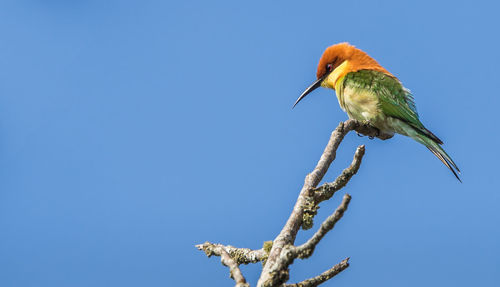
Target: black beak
311 88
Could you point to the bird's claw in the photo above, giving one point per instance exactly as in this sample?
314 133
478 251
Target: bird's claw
369 125
377 134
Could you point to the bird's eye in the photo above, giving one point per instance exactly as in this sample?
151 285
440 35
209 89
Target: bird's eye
329 67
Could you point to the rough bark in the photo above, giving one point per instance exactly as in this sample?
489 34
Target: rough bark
278 256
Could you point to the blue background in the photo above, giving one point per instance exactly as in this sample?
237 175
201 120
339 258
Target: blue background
132 130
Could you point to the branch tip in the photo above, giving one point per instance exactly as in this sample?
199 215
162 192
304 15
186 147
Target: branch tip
277 255
323 277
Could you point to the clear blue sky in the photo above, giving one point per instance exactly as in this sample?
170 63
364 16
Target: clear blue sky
132 130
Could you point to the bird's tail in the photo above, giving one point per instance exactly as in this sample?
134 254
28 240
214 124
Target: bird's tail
438 151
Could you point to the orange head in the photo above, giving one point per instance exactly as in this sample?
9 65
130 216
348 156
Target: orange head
337 54
337 61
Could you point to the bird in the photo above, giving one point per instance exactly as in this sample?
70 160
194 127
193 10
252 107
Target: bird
369 93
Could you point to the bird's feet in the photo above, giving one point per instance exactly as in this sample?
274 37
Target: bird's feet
369 124
376 134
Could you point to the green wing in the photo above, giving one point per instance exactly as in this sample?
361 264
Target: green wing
395 100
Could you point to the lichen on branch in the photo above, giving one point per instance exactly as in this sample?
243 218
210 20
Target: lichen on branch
277 255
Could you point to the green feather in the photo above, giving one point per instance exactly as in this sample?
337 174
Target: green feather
397 111
394 100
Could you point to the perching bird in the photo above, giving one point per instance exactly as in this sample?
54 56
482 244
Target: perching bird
369 93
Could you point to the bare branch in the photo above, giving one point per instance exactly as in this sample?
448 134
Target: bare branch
270 275
289 252
327 190
277 255
227 260
234 269
323 277
239 255
305 250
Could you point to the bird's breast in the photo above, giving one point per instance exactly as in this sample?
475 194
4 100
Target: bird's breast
359 104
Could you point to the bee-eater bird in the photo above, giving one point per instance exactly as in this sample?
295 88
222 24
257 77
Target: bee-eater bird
369 93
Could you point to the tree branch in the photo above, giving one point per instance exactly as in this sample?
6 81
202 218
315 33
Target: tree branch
305 250
227 260
234 269
323 277
239 255
327 190
271 275
277 255
289 252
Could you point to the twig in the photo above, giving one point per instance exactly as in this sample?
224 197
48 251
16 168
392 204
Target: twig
225 258
277 255
239 255
272 275
327 190
323 277
289 252
305 250
234 269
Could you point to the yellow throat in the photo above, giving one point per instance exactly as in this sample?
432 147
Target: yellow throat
336 74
